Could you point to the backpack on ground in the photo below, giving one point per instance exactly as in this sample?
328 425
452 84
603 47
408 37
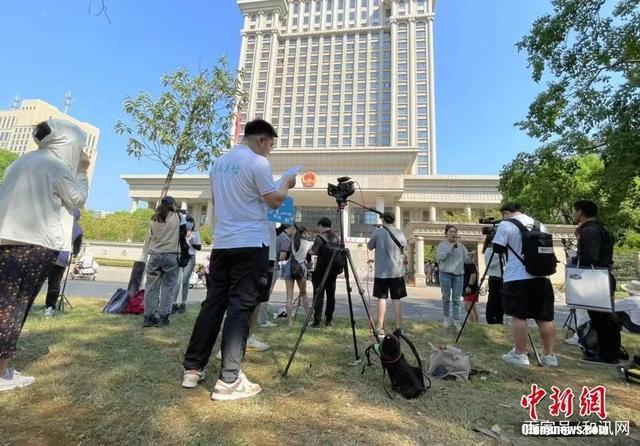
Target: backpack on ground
590 344
135 305
117 302
632 371
405 379
538 257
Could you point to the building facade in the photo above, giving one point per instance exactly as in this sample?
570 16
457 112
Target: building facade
16 127
342 74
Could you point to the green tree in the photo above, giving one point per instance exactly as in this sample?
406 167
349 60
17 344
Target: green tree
117 227
6 158
588 52
189 123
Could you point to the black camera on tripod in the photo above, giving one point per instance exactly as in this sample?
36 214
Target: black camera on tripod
343 190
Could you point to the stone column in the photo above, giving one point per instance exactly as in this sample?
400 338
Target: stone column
184 206
433 215
398 212
410 264
346 221
419 263
209 220
380 203
134 205
467 211
197 214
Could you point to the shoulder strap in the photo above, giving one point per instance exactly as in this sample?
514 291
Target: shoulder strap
393 237
522 229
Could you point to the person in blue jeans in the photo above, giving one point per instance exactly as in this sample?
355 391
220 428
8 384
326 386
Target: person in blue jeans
451 256
163 247
195 244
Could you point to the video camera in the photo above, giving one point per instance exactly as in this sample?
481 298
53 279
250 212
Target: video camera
489 221
343 190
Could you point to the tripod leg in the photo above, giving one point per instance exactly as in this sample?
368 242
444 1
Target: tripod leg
535 352
362 296
316 296
63 298
473 304
353 320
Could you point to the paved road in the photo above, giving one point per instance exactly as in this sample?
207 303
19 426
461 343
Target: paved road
424 303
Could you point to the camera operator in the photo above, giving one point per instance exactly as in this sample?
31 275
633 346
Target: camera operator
242 187
595 249
451 256
524 296
388 243
494 311
43 186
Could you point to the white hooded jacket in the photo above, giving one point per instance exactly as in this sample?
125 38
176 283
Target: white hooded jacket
41 189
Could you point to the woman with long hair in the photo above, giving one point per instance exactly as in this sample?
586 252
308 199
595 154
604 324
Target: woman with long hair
163 246
298 254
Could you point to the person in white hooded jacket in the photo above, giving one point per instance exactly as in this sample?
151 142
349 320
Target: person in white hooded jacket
45 185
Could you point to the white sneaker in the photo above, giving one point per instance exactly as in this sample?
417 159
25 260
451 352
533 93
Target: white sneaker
219 355
513 358
191 378
573 340
457 325
12 379
446 323
49 312
268 324
242 388
549 360
254 344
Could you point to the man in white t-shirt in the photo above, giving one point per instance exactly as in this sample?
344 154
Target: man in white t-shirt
242 187
524 296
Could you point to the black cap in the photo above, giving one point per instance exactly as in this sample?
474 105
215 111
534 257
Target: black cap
168 200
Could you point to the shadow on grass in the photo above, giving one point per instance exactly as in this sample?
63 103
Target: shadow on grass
103 379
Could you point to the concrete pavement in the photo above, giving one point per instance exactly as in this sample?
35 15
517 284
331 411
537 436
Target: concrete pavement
422 303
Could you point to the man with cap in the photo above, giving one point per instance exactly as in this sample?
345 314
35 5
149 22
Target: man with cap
388 243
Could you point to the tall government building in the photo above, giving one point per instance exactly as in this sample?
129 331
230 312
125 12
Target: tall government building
16 127
349 86
342 74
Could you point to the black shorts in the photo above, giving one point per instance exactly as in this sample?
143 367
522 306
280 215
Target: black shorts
529 299
395 287
266 292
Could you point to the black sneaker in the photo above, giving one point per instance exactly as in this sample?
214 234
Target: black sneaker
164 321
328 323
174 309
182 308
315 325
149 321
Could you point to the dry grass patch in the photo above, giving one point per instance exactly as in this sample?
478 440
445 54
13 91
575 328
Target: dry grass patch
102 379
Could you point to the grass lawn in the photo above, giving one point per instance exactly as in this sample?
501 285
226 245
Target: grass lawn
102 379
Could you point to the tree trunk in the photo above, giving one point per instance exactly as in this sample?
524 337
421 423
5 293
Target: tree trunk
167 181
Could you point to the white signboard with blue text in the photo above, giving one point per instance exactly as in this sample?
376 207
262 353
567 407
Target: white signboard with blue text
284 214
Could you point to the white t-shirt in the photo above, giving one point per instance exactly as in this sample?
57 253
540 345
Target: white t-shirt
239 179
509 234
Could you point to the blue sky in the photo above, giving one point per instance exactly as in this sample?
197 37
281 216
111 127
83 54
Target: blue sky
483 84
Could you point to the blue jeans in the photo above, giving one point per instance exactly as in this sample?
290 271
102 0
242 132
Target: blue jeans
186 272
162 283
451 286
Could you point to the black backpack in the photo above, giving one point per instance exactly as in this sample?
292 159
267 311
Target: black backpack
405 379
324 256
538 257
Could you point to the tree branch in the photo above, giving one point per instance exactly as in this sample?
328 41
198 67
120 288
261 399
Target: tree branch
102 11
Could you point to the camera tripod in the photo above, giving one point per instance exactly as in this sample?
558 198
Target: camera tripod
341 250
477 293
62 299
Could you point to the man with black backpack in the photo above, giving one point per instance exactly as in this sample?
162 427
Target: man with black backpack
595 249
527 291
388 243
326 241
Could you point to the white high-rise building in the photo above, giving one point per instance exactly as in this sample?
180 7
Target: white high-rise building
342 74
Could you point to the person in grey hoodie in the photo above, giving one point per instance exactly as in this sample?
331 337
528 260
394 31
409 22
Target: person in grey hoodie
39 193
451 256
